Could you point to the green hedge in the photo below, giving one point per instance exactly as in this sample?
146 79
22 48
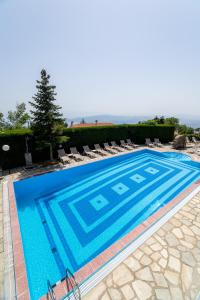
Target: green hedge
78 137
138 133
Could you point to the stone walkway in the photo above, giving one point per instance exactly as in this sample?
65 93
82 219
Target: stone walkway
166 266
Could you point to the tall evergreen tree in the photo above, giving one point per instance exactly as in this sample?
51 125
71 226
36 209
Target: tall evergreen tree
47 120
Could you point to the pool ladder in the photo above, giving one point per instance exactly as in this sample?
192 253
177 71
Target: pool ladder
71 285
51 295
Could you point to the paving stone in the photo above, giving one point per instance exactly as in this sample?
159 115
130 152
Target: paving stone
147 250
142 289
162 294
188 215
174 252
109 280
145 260
156 247
128 292
160 240
171 240
160 280
176 293
162 262
181 248
122 275
186 244
188 259
114 294
155 267
178 233
196 230
161 232
174 264
186 277
190 239
172 277
144 274
167 226
132 263
164 253
138 254
175 222
156 256
105 297
151 241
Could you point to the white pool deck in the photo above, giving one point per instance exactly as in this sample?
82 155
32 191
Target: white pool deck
165 266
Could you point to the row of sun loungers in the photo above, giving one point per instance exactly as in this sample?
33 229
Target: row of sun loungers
98 150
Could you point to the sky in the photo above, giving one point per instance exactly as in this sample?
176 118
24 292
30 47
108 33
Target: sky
119 57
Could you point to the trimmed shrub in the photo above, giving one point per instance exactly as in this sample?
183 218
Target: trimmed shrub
79 137
92 135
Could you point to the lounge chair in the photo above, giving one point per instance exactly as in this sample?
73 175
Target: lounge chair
187 140
157 142
195 140
89 152
63 157
148 142
99 150
125 145
75 154
108 148
115 146
130 143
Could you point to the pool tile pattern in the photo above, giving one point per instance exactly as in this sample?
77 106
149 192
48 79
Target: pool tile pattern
120 188
99 202
137 178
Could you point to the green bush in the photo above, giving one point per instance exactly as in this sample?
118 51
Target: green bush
78 137
92 135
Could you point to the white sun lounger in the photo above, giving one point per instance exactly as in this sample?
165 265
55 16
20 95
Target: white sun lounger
195 140
125 145
99 150
110 149
130 143
157 142
89 152
63 157
115 146
75 154
148 142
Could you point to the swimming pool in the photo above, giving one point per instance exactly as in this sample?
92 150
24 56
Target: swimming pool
69 217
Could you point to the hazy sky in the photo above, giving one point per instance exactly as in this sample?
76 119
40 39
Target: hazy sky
125 57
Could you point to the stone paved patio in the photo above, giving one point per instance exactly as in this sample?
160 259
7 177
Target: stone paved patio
166 266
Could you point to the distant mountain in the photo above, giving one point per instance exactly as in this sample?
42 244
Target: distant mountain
110 118
189 121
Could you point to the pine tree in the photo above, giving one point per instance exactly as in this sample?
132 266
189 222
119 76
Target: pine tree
47 120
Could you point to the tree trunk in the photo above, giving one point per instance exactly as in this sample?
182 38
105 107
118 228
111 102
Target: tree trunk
51 152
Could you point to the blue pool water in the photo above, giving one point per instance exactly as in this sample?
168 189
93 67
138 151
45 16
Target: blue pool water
68 217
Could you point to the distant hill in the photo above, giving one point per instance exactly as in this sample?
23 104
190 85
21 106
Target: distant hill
110 118
189 121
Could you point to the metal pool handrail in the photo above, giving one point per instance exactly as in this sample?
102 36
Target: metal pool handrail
51 293
72 285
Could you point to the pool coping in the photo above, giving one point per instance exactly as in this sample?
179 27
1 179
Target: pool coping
94 271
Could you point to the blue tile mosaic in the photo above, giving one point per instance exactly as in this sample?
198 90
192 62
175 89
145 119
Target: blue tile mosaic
120 188
99 202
